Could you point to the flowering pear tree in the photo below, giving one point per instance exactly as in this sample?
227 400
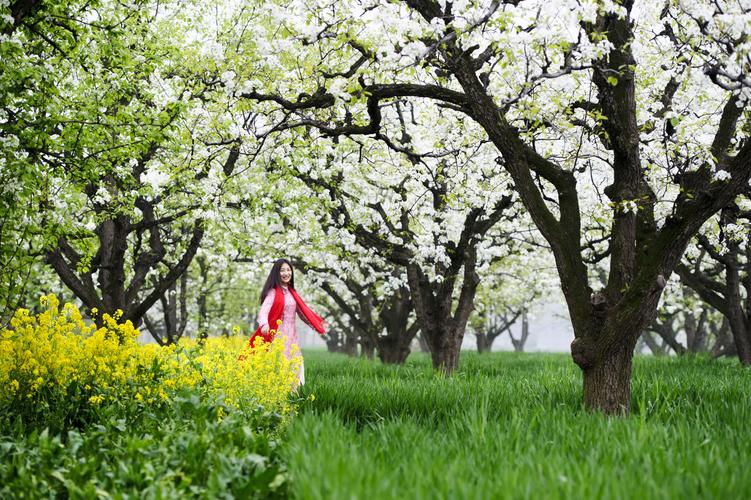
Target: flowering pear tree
340 336
36 39
365 296
718 271
643 103
423 217
682 313
511 287
132 155
379 312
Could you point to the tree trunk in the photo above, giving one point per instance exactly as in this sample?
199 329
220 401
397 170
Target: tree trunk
367 348
203 311
443 328
392 350
483 342
607 384
169 310
736 316
605 349
724 345
350 346
649 340
695 332
445 351
742 339
519 343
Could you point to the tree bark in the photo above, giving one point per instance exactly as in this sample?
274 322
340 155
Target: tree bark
367 348
607 383
605 351
443 328
522 340
445 350
483 342
350 346
203 311
392 350
736 316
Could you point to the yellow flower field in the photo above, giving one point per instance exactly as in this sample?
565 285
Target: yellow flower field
56 361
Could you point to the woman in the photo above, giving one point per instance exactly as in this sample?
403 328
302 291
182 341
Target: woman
280 301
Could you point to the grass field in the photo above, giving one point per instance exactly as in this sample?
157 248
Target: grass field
511 426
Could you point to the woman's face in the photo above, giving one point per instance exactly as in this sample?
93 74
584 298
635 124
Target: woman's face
285 273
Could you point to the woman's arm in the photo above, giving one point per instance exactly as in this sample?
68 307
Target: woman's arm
263 314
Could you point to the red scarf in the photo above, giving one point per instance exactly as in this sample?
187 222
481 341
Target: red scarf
275 314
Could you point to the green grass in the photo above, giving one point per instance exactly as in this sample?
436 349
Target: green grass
511 426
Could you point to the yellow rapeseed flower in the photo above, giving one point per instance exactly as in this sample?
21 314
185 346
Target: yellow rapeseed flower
58 350
96 400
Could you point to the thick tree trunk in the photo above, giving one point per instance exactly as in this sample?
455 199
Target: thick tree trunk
445 343
604 351
113 246
736 316
741 339
445 351
607 384
441 327
391 350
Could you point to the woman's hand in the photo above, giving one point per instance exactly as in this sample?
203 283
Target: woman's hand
325 325
264 329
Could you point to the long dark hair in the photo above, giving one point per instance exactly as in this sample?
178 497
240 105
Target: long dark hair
274 280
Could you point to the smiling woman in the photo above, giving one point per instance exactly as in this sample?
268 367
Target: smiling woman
279 305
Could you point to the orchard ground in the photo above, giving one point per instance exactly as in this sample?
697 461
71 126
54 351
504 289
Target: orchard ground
511 425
